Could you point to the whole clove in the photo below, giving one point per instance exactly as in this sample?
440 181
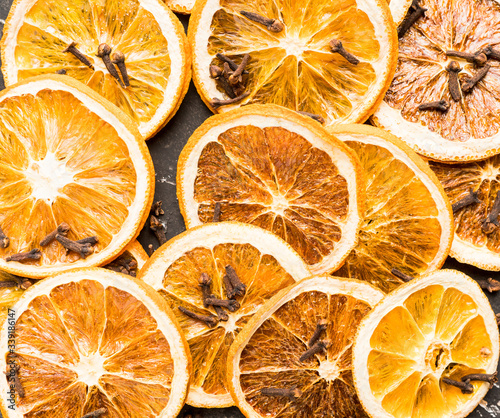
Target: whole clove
465 201
4 239
34 254
159 229
62 229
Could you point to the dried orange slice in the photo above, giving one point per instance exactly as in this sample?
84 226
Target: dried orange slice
435 328
68 156
296 67
269 354
469 129
263 263
146 32
408 223
477 240
92 339
271 167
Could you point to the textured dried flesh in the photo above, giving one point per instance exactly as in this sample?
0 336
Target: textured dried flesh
295 68
435 333
271 358
50 25
401 228
8 295
482 177
262 275
277 180
421 76
59 162
85 346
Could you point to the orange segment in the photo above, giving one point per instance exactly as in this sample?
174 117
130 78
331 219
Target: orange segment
267 353
270 167
295 67
92 338
262 262
437 326
87 168
149 35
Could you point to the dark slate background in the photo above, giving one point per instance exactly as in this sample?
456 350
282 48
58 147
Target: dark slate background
165 148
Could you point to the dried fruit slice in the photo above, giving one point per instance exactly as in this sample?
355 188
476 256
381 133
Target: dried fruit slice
263 263
408 224
296 66
476 241
269 353
146 32
470 128
434 328
87 167
271 167
92 339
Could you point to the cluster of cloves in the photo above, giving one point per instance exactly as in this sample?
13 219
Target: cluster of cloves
109 60
229 77
233 287
83 247
464 383
124 264
157 226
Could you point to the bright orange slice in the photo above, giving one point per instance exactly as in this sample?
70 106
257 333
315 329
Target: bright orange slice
146 32
408 223
271 167
295 67
432 329
67 155
93 339
270 353
263 263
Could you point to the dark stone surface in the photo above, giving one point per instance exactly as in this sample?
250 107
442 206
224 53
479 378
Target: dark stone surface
165 148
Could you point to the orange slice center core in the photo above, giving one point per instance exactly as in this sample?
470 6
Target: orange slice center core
90 369
329 370
48 176
437 357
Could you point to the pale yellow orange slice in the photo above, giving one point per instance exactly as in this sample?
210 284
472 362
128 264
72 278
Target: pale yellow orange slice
92 339
271 167
268 351
295 67
262 261
152 39
433 328
68 155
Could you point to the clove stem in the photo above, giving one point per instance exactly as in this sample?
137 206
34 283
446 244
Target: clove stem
272 25
465 201
336 46
62 229
210 320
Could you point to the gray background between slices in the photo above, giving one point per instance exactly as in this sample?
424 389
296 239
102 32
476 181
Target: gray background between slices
165 148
